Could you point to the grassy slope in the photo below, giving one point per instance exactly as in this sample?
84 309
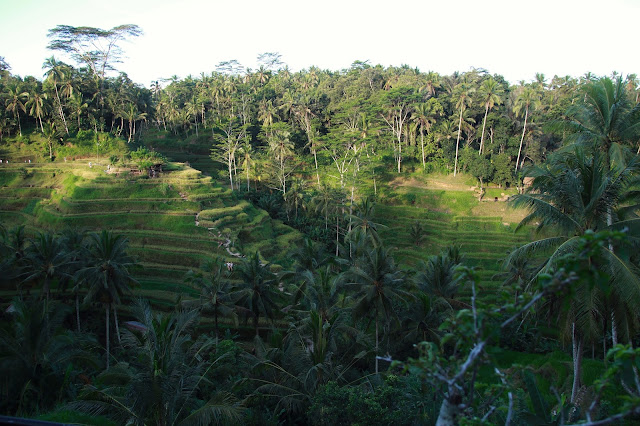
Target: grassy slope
157 215
449 211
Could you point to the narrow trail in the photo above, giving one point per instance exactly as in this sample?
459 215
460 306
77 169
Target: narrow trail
226 242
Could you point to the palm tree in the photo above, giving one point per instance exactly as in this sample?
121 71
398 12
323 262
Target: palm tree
573 194
282 149
15 102
425 116
131 114
163 384
45 261
107 274
246 151
73 243
377 285
258 292
490 92
362 222
423 318
49 133
463 92
36 104
78 106
605 119
217 292
55 73
528 100
438 279
35 355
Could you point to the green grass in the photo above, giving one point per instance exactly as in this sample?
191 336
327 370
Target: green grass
157 215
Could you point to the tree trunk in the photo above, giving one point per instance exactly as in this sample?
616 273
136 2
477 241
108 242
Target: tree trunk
315 159
399 151
424 164
614 329
337 235
448 415
255 324
106 309
115 317
78 311
455 165
230 167
577 362
60 110
215 316
19 126
524 128
484 122
377 341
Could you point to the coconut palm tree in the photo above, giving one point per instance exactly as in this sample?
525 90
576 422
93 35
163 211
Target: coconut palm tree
425 116
163 383
46 262
490 93
107 274
217 292
462 92
437 278
56 73
35 354
573 194
376 285
16 99
528 100
36 105
604 120
246 156
78 106
74 244
49 133
258 294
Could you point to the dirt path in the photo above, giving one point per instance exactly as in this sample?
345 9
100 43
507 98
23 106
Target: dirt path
226 242
430 184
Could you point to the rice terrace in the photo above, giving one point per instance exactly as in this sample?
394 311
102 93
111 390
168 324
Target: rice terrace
373 245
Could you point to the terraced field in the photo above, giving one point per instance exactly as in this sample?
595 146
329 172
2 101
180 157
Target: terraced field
484 240
172 222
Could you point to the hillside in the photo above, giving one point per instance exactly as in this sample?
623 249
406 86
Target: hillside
173 222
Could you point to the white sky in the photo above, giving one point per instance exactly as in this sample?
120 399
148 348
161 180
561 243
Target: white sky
509 37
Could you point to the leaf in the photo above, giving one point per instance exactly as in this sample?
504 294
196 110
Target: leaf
540 406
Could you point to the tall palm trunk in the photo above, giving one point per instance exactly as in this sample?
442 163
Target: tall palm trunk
399 151
256 319
484 122
377 341
424 164
60 110
455 166
78 311
524 128
577 344
230 168
614 328
106 309
115 317
17 114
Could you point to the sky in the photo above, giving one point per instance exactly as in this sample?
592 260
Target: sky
514 38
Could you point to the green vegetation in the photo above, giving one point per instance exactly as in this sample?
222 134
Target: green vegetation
370 246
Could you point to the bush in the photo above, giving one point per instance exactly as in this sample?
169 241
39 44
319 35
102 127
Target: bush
397 401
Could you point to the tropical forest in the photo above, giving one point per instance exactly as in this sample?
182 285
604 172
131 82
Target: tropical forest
366 246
